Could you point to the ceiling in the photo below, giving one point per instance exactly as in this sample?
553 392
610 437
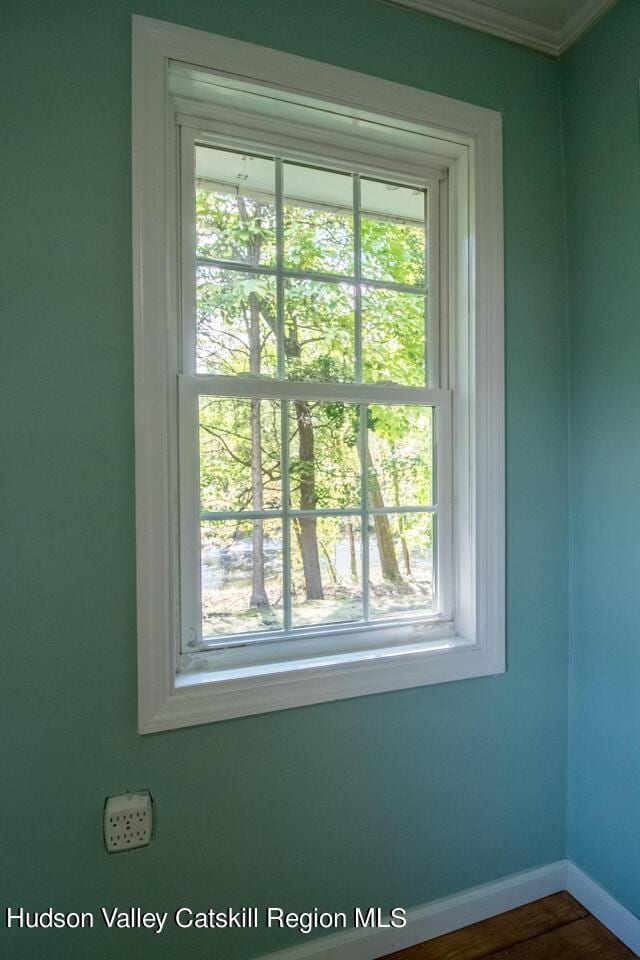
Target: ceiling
547 25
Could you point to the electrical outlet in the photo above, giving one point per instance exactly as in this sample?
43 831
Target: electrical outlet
128 821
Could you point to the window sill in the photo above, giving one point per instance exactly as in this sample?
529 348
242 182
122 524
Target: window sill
207 695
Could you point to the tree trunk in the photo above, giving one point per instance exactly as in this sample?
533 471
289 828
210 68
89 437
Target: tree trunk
330 563
295 524
406 556
259 598
352 552
384 537
308 527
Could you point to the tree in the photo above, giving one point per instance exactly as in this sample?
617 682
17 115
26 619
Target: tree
308 525
384 538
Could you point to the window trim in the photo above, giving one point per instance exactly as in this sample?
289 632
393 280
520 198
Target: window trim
467 142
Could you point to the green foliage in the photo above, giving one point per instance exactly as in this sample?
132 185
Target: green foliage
319 330
225 454
401 439
393 337
232 228
392 251
223 314
335 467
317 241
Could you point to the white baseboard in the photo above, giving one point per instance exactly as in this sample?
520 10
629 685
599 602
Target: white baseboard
436 918
624 924
479 903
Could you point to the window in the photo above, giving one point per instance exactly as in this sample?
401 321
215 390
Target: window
318 382
317 502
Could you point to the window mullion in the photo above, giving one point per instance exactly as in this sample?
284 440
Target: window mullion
244 266
286 527
188 349
432 276
284 404
436 586
279 269
357 275
364 513
364 537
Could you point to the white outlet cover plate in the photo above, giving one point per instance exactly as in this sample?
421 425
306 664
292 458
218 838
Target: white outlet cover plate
128 821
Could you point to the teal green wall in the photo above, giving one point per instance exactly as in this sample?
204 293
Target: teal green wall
600 87
397 798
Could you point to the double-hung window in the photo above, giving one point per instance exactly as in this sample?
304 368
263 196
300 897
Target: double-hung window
309 346
311 414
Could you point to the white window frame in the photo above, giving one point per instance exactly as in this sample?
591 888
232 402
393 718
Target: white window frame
465 153
193 385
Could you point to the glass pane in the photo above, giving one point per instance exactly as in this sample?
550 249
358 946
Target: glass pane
393 337
319 330
392 234
400 564
400 442
235 207
239 454
318 220
236 324
326 574
324 466
241 576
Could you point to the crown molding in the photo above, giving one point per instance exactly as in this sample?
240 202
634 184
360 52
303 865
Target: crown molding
583 20
475 14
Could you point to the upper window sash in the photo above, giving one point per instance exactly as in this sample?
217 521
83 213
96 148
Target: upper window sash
435 340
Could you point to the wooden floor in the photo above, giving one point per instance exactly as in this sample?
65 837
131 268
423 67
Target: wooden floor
555 928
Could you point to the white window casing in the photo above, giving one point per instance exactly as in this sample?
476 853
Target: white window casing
188 87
